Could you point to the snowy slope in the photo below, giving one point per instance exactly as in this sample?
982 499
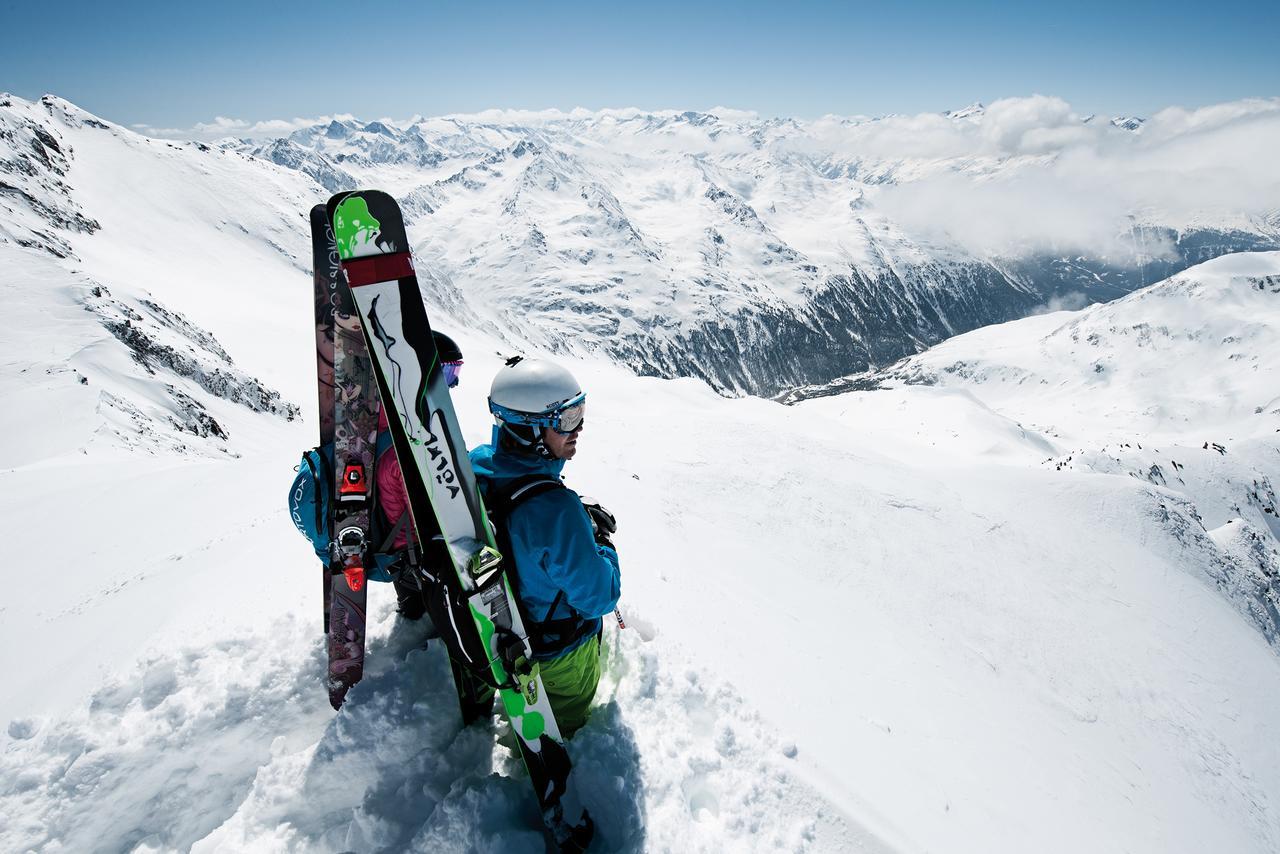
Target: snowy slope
1174 385
956 616
950 665
139 351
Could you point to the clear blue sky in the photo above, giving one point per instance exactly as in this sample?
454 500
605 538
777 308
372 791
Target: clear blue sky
175 64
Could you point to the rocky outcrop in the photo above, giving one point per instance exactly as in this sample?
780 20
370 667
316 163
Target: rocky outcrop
164 342
35 160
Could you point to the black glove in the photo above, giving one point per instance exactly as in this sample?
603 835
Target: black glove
603 523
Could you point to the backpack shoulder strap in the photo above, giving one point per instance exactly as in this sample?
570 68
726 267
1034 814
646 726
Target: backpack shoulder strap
319 462
396 529
501 500
506 498
546 635
382 444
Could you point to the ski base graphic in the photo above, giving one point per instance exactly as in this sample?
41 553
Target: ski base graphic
348 406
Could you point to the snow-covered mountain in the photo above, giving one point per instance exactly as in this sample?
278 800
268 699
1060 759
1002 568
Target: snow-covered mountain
1174 385
1015 593
126 369
894 620
755 254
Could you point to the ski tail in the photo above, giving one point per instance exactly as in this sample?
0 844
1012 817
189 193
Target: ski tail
324 275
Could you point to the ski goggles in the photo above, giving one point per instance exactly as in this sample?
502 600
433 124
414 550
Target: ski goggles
566 418
452 372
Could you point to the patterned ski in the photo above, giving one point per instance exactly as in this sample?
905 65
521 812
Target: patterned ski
378 267
353 401
325 271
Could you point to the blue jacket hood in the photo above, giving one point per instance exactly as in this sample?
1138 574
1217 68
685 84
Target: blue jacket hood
489 461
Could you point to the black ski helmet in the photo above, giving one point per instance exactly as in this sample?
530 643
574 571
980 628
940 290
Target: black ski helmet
446 347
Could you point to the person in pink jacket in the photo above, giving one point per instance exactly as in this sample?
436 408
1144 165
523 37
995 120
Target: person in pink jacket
392 497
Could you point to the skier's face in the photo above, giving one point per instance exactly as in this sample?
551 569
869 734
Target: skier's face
562 445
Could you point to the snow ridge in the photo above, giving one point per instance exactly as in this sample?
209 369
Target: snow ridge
197 356
34 161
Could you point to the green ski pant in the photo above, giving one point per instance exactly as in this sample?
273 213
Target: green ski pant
570 684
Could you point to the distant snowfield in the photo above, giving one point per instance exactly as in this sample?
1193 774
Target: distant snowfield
965 616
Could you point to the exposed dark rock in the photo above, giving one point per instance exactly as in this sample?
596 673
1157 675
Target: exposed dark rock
229 385
184 327
1154 254
141 334
853 322
1247 574
284 152
735 208
193 418
33 163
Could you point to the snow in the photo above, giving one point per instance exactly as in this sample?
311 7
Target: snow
723 236
954 616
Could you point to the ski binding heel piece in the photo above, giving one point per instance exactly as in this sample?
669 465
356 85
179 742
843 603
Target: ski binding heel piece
354 489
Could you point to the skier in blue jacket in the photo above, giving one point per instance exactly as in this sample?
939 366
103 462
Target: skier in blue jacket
565 563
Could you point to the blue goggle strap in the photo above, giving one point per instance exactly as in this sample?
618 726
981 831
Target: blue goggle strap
546 419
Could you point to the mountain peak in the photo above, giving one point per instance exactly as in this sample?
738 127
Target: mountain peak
697 119
974 110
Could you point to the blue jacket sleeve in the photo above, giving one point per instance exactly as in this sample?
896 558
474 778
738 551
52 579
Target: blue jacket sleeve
555 531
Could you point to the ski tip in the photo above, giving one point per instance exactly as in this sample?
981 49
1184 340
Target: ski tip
335 199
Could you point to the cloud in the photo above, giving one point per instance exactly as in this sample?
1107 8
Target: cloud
551 116
1073 301
1176 121
1034 125
222 127
1033 175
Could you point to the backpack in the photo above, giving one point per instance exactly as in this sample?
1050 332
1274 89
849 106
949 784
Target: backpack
445 603
449 609
309 499
547 637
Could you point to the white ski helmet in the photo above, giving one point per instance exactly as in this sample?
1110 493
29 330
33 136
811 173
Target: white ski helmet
535 393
